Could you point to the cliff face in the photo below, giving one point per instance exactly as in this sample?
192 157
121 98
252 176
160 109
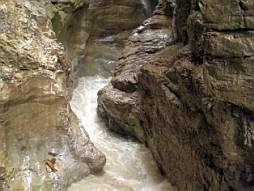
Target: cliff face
184 86
117 102
37 126
94 32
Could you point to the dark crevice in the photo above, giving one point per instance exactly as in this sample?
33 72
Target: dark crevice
197 7
54 2
241 5
149 7
210 57
238 30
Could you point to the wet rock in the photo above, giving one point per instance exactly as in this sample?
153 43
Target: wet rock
152 36
96 31
195 95
120 97
231 80
37 125
119 109
237 44
236 14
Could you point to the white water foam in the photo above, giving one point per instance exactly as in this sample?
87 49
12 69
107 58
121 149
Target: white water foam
130 165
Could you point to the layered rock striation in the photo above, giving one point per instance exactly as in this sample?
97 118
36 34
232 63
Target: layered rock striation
43 146
184 86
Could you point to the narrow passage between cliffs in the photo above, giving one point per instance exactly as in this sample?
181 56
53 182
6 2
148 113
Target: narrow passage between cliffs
129 166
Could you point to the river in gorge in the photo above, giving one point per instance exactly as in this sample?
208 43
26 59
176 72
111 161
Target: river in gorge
130 165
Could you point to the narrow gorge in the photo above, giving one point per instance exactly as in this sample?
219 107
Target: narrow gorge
178 79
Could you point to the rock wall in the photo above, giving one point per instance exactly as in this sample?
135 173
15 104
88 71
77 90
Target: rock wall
37 126
118 102
188 94
94 32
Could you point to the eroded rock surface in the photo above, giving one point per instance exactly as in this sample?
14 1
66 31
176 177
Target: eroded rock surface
36 122
94 32
118 101
190 99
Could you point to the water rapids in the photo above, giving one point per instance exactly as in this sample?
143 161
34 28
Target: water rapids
130 166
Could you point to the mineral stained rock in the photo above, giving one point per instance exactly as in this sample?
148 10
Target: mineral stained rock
190 97
37 125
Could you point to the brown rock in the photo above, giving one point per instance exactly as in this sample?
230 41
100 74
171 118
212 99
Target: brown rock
118 102
195 98
35 114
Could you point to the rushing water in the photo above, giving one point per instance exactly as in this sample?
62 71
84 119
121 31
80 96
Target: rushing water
130 166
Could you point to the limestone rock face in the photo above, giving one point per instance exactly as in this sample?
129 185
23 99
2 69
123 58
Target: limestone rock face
37 126
94 32
193 96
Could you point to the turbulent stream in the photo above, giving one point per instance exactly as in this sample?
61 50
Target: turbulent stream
130 166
